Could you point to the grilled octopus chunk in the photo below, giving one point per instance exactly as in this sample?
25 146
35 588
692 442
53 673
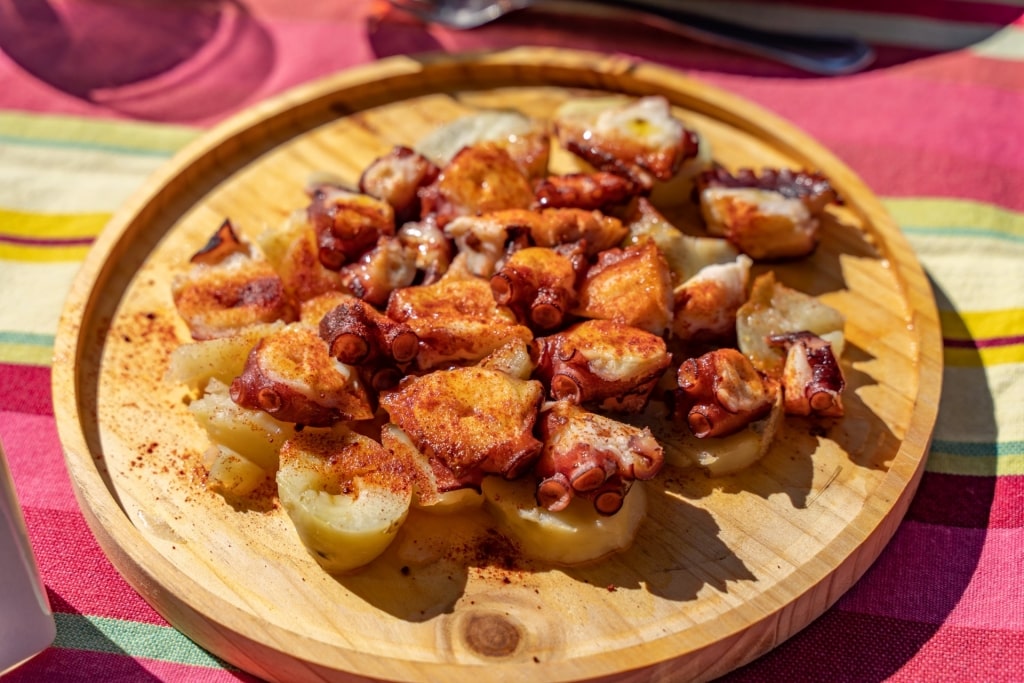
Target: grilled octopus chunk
538 284
389 265
636 138
347 224
290 375
632 286
602 362
479 179
705 306
720 392
227 289
456 319
487 238
812 381
396 177
774 215
593 457
468 422
585 190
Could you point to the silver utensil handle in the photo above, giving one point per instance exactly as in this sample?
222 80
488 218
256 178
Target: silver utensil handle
820 54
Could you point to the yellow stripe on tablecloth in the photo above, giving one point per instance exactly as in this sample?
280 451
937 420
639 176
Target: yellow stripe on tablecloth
46 254
945 213
26 354
132 137
42 226
955 216
981 325
973 252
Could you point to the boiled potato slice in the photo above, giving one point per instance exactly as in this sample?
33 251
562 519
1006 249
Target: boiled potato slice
195 364
252 434
231 474
572 536
720 456
345 495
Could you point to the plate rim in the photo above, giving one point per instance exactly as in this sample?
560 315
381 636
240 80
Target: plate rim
221 633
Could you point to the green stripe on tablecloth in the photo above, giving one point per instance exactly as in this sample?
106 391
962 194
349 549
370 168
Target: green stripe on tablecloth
979 448
972 232
26 348
991 458
940 216
130 137
130 638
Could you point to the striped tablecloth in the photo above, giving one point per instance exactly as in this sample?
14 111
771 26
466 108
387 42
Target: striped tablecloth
96 94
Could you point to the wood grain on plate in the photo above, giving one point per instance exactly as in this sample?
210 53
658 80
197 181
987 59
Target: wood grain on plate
722 571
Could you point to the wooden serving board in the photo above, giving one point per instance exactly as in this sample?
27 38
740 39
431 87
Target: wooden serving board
722 570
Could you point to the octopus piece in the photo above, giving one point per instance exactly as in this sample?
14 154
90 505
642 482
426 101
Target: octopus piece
356 333
554 227
487 238
432 249
524 139
396 178
813 189
775 309
591 456
221 298
390 264
721 392
291 247
478 180
483 240
602 362
361 336
347 224
812 381
468 422
584 190
632 286
771 216
456 319
290 375
705 306
637 138
222 243
538 284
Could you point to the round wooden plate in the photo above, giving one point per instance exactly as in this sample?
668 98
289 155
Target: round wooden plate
722 570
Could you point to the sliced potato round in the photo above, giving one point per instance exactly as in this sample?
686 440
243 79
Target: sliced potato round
196 363
253 434
231 474
345 495
720 456
575 535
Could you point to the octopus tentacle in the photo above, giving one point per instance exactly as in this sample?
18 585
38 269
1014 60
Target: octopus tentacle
222 244
812 381
356 332
603 362
593 457
538 284
721 392
585 190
